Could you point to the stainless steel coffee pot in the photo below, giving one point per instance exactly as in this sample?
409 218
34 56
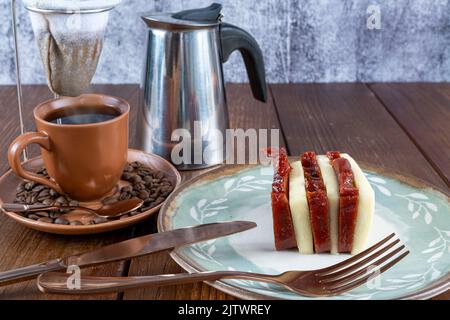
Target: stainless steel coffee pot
183 113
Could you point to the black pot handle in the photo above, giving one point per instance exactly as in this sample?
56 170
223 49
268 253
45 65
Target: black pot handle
234 38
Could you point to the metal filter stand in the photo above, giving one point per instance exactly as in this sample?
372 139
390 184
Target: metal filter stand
18 75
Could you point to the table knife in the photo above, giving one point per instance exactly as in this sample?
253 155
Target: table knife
133 248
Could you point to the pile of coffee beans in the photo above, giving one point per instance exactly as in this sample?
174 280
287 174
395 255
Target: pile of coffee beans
144 183
152 186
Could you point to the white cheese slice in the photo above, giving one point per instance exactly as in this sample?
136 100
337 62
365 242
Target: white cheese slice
366 207
332 184
298 203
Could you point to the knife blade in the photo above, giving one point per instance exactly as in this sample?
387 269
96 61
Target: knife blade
133 248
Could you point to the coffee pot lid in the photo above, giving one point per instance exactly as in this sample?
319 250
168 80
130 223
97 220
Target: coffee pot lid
188 19
70 6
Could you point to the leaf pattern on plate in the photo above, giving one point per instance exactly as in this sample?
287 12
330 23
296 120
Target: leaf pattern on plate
209 208
439 246
419 206
379 184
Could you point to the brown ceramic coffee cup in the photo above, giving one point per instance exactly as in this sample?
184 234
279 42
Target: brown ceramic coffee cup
84 161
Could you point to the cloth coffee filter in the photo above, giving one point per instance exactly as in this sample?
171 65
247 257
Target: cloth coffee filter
70 44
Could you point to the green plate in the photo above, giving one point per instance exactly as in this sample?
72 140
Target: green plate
420 216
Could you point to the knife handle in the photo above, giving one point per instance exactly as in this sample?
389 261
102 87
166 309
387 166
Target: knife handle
30 272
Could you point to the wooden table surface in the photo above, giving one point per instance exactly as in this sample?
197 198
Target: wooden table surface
401 127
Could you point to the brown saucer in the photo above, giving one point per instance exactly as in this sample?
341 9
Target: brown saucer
9 181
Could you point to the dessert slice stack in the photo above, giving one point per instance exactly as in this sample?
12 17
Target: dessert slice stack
321 204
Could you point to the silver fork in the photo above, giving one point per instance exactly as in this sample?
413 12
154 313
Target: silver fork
330 281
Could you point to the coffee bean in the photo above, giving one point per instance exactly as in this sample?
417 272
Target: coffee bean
48 202
53 193
42 214
137 179
28 200
74 203
159 201
45 219
139 186
143 195
125 196
76 223
55 214
29 185
127 189
61 200
33 217
145 173
136 165
111 200
148 179
62 221
99 220
44 193
126 176
22 193
38 188
143 209
128 168
20 188
159 175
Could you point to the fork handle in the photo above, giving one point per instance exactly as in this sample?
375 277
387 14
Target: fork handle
56 282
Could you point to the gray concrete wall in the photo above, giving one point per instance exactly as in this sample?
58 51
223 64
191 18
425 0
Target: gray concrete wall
302 40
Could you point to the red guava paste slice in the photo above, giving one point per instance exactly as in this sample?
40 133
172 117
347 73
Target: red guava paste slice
348 202
316 193
282 220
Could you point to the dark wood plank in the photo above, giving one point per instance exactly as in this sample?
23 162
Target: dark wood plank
348 117
21 246
423 111
245 113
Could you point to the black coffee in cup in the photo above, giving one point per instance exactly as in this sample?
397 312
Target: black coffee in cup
83 115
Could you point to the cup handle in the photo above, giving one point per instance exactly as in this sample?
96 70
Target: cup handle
15 151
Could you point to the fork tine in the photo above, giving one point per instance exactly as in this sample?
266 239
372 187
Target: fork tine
355 258
357 283
332 276
354 275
